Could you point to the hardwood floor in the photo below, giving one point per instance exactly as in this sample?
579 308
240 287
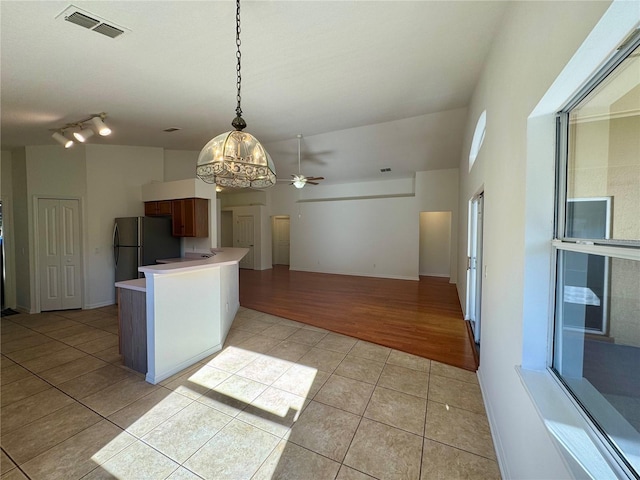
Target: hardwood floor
423 318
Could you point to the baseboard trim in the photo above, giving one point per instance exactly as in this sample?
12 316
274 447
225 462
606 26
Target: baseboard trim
357 274
441 275
99 305
497 441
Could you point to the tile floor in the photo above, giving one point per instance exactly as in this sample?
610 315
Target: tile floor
281 400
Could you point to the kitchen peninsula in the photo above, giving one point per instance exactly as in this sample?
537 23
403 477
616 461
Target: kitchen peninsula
189 305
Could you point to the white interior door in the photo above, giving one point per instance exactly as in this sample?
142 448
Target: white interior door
245 239
281 245
60 271
474 265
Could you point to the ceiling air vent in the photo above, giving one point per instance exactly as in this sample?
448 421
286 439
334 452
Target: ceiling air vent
386 169
82 20
73 14
108 30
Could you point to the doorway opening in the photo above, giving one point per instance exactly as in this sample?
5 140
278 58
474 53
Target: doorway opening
475 265
280 228
435 244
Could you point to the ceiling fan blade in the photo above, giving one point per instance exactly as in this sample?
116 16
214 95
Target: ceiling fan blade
312 183
315 178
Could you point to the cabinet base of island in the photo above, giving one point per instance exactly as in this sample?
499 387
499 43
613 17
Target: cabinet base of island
180 313
132 319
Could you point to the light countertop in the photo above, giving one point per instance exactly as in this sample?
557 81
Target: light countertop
139 284
226 256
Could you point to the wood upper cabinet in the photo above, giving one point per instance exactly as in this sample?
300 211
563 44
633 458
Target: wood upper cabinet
159 208
190 217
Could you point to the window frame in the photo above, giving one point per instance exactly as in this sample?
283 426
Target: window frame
609 248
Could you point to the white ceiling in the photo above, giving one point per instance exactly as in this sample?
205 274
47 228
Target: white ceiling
308 67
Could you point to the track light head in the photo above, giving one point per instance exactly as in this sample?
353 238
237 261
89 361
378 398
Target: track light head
82 129
100 127
83 134
62 140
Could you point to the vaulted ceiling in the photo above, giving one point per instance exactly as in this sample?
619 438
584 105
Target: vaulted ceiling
309 67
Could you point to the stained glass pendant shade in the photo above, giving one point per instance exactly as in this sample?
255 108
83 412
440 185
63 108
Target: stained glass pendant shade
236 159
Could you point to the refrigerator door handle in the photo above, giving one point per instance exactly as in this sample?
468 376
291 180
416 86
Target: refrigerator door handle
116 243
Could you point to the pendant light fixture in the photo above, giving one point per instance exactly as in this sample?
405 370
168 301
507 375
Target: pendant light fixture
236 158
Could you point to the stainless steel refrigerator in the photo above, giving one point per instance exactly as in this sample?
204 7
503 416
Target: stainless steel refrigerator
139 241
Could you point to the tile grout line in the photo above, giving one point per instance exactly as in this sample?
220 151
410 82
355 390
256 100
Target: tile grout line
60 341
341 463
15 463
424 426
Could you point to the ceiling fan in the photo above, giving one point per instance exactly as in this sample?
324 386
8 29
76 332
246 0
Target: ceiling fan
300 180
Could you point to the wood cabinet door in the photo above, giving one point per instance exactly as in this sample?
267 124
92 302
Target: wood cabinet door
177 218
201 218
190 217
150 208
159 208
163 207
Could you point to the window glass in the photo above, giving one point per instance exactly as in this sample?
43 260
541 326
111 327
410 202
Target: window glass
597 344
478 138
596 349
604 153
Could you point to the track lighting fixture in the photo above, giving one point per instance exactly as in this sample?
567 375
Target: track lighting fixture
83 134
62 140
85 129
99 127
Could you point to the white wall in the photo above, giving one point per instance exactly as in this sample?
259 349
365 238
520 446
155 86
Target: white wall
180 164
435 244
8 240
21 229
425 142
375 232
52 171
371 237
107 179
114 175
535 42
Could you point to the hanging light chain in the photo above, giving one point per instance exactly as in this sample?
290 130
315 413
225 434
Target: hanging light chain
238 56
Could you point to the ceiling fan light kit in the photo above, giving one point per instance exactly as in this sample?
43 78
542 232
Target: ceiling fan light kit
299 180
82 130
236 159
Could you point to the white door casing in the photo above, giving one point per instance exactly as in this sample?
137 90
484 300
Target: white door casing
59 258
245 239
474 266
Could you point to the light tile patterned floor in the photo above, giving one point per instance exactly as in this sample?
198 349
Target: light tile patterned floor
281 400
